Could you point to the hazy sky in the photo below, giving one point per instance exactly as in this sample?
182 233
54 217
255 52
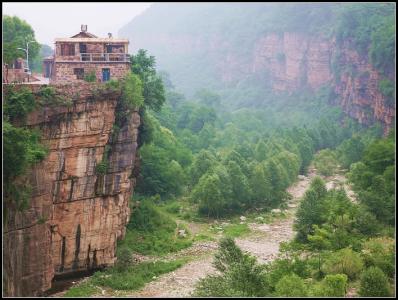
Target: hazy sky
54 20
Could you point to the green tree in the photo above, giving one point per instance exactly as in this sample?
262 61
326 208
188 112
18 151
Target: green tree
240 160
325 162
17 104
209 194
319 241
241 192
208 98
344 261
240 275
374 283
291 286
373 178
202 163
153 89
124 259
331 286
260 185
380 252
379 155
261 151
16 33
132 91
350 151
200 116
311 209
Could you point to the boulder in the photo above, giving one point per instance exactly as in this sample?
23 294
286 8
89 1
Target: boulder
182 233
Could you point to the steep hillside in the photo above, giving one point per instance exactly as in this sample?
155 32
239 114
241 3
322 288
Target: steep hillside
77 209
247 52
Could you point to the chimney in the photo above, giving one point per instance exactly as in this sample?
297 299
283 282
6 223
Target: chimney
109 35
84 28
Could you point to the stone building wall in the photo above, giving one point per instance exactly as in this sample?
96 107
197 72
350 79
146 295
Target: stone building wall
64 72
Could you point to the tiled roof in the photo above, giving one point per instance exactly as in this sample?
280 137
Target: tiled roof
84 35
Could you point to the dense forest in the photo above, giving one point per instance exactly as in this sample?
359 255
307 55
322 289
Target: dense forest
211 153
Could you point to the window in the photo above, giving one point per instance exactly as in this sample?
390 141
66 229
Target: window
67 49
79 72
82 48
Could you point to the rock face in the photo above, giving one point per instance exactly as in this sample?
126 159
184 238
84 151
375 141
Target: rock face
293 60
76 214
285 61
297 60
357 86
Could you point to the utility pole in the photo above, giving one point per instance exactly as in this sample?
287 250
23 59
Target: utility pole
27 56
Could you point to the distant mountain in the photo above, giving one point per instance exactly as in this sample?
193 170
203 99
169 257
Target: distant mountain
248 51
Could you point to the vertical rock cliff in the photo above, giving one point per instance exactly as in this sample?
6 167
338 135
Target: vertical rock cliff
297 61
288 61
357 84
76 213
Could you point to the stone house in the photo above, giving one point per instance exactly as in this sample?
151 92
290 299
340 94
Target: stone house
15 72
86 54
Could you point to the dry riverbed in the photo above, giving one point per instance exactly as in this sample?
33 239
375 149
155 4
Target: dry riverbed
263 242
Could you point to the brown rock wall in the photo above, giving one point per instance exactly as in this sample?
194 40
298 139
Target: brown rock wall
75 215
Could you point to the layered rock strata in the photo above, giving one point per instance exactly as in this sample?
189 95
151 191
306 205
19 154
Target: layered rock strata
75 214
285 61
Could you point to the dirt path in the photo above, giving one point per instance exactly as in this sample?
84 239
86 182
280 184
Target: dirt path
263 243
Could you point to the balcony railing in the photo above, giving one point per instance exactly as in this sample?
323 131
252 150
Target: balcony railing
107 57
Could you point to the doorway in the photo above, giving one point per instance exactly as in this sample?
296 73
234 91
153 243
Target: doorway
106 74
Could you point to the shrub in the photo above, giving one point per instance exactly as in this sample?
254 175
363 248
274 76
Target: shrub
216 286
154 230
374 283
291 286
18 103
241 275
311 209
326 162
331 286
173 208
124 259
132 91
387 88
102 167
113 85
344 261
282 267
380 252
90 77
335 285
